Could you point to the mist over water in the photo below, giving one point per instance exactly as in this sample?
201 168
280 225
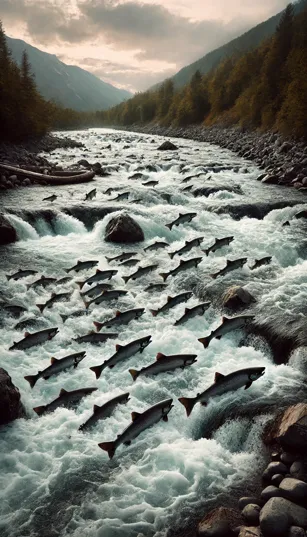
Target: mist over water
55 477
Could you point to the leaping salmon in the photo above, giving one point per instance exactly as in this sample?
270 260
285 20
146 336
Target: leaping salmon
228 325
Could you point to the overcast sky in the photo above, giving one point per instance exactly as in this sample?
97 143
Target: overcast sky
132 43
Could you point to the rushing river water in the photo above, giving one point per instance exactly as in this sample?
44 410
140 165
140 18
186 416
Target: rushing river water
55 481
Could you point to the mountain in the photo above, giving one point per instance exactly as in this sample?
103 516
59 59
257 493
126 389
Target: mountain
249 40
67 85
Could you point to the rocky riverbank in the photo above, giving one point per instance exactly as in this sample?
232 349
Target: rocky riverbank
283 161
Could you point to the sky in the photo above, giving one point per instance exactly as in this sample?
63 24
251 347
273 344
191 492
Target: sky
132 44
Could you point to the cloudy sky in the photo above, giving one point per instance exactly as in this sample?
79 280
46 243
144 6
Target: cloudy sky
132 43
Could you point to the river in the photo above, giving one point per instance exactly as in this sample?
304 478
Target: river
55 481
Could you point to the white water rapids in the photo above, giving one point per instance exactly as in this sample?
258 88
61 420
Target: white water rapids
55 481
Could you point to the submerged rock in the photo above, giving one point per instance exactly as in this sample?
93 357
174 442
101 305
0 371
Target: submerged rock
219 523
11 407
289 428
123 228
237 297
167 146
7 231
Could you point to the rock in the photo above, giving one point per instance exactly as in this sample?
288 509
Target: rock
275 467
271 492
124 229
277 479
13 178
294 490
270 180
26 182
84 163
275 456
278 515
304 181
289 429
296 531
167 146
219 523
11 407
299 470
237 297
285 148
245 500
251 514
7 232
250 532
288 458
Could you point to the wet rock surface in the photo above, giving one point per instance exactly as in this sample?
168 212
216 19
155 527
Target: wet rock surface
123 229
10 404
7 231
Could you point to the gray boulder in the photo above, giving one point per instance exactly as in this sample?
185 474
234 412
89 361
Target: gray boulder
251 514
246 500
123 229
289 429
11 407
299 470
168 146
294 489
275 467
7 231
271 492
277 479
296 531
219 523
278 515
237 297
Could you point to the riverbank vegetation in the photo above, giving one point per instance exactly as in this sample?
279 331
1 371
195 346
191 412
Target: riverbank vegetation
265 88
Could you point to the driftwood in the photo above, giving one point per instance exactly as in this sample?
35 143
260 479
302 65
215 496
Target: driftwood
60 177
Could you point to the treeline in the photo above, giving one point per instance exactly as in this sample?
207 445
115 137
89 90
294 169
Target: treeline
265 88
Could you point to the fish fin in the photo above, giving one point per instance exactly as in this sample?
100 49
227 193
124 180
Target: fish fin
248 385
218 377
181 261
165 417
41 307
126 278
118 346
27 334
53 295
97 370
205 341
188 403
218 337
53 360
98 325
118 313
159 356
169 298
86 304
169 226
31 379
154 312
135 415
111 366
127 443
134 373
225 319
108 259
109 447
63 392
96 408
214 276
228 262
204 403
171 254
187 310
39 410
80 284
45 378
97 270
164 275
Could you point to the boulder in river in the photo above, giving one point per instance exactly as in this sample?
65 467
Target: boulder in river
123 228
289 429
11 407
278 515
168 146
237 297
219 522
7 231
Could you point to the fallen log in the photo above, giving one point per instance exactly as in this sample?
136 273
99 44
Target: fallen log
72 178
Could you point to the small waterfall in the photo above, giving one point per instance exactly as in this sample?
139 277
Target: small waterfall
64 224
23 229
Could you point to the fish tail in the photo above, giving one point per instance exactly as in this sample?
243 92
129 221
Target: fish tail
64 317
80 284
171 255
134 373
97 370
7 276
109 447
41 307
164 275
108 259
126 278
169 226
39 410
154 312
188 403
98 325
67 270
205 341
86 304
32 379
206 251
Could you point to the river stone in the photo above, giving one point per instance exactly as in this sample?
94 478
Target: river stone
167 146
250 532
278 515
7 231
237 297
270 180
294 489
271 492
288 458
296 531
123 228
219 522
11 407
251 514
299 470
275 467
289 429
246 500
277 479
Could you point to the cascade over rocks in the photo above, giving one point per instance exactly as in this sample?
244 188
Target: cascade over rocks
10 404
7 231
123 228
